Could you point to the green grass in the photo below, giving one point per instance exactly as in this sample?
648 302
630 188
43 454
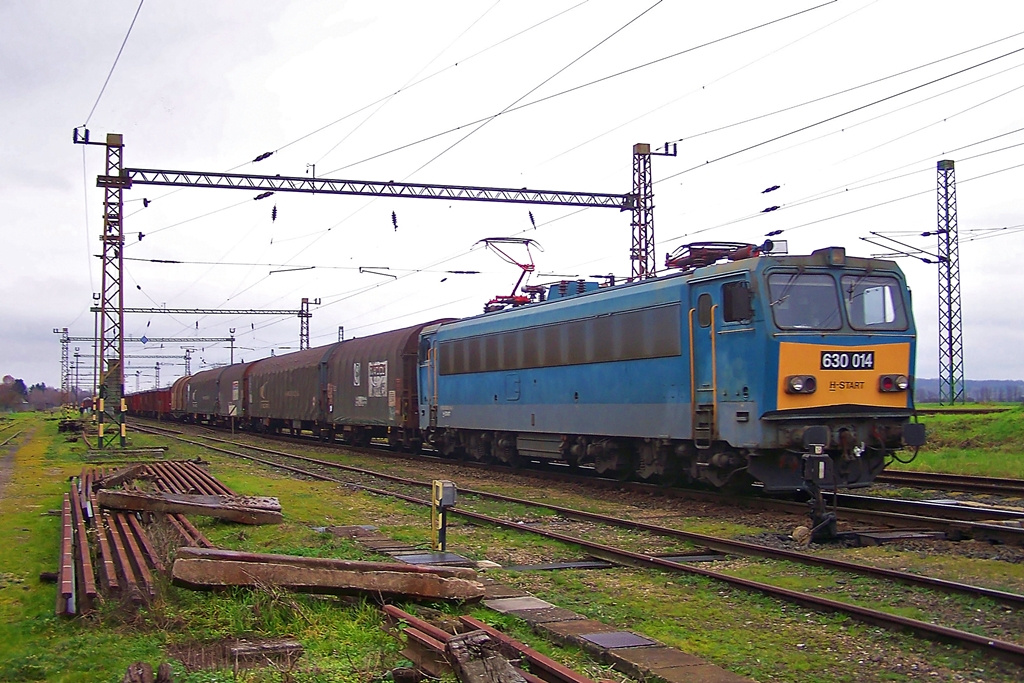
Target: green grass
990 444
343 638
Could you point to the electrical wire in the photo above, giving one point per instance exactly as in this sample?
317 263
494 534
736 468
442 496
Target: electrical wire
581 86
536 87
436 73
848 187
943 119
898 199
851 126
846 90
111 72
384 102
85 195
510 110
840 115
704 87
513 107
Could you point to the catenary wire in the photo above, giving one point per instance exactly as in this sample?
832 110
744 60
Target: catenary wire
703 87
516 108
587 84
841 114
385 101
111 72
536 87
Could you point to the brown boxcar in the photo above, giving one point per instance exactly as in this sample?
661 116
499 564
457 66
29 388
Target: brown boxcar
179 396
152 403
372 383
232 391
285 391
201 397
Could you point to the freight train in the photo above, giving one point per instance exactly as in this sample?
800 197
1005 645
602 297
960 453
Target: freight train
744 368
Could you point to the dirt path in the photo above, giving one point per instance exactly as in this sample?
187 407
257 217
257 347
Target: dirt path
7 460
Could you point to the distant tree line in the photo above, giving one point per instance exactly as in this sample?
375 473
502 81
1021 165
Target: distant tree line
975 390
15 396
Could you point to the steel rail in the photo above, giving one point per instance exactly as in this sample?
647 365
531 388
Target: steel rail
957 522
958 482
1004 649
12 436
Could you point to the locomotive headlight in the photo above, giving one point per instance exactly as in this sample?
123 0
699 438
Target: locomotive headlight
801 384
893 383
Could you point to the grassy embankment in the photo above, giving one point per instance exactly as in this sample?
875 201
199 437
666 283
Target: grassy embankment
344 641
343 638
990 444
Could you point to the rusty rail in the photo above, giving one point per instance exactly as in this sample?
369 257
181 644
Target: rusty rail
122 559
66 572
432 638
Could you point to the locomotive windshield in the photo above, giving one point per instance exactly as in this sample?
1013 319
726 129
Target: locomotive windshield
804 301
874 302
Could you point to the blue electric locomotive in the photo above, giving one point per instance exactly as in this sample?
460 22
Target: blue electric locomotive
790 371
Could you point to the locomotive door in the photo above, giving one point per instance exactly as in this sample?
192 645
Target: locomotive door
427 358
703 375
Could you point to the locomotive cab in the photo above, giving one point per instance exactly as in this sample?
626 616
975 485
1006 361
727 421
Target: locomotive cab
842 337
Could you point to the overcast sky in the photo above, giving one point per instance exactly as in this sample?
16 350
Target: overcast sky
845 105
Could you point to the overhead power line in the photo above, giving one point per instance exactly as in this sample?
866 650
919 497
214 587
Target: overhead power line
111 72
845 91
510 110
840 115
581 86
537 87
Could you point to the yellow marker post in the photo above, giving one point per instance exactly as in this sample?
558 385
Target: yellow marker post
443 496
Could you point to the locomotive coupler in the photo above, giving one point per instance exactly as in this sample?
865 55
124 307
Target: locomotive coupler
818 468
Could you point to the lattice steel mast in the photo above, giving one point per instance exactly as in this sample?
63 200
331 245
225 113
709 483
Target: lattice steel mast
304 316
65 365
111 348
641 253
951 347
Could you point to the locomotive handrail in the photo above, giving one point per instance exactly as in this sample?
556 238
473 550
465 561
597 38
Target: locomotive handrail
714 375
693 381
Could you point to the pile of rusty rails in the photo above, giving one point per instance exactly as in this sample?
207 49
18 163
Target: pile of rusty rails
426 647
110 550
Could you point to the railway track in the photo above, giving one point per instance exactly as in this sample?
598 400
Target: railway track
12 437
956 521
315 468
954 482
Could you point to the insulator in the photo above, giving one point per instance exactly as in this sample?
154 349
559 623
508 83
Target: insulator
531 220
273 214
262 157
394 220
770 209
773 233
262 195
770 189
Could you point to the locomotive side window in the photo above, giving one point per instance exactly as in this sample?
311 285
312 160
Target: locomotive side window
704 310
629 335
804 301
736 302
874 302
